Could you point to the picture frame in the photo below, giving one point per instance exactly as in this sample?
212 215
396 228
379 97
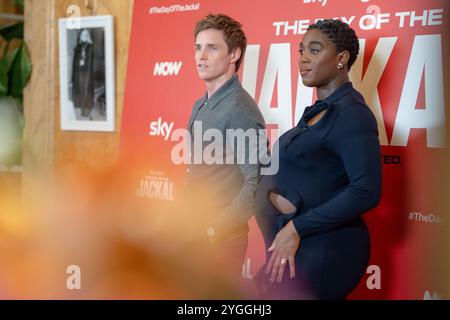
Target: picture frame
87 75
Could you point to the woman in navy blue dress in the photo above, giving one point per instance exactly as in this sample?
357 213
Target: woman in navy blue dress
310 212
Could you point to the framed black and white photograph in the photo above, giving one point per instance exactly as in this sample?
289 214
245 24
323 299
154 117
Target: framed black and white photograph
86 56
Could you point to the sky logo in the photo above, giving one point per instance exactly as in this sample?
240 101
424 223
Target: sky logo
161 128
324 2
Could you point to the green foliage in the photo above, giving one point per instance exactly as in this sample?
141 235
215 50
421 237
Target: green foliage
19 3
14 31
20 72
15 65
5 67
15 70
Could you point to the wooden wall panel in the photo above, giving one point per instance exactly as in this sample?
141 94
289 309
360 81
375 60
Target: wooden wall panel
6 6
39 95
444 187
96 150
46 147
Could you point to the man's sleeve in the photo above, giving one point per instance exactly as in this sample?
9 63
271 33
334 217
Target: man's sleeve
242 206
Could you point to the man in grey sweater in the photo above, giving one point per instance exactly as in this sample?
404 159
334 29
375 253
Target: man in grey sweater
227 176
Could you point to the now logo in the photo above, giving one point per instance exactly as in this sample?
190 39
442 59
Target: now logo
167 68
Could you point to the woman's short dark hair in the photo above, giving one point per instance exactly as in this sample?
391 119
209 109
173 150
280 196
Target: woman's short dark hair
341 35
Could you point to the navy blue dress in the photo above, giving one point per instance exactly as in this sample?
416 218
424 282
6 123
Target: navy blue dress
331 172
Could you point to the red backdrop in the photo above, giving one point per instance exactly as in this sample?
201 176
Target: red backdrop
399 71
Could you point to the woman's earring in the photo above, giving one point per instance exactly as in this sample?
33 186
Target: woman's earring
340 65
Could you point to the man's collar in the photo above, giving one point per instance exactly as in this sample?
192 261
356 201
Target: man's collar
222 92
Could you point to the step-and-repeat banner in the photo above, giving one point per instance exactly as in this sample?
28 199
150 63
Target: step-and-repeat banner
400 72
